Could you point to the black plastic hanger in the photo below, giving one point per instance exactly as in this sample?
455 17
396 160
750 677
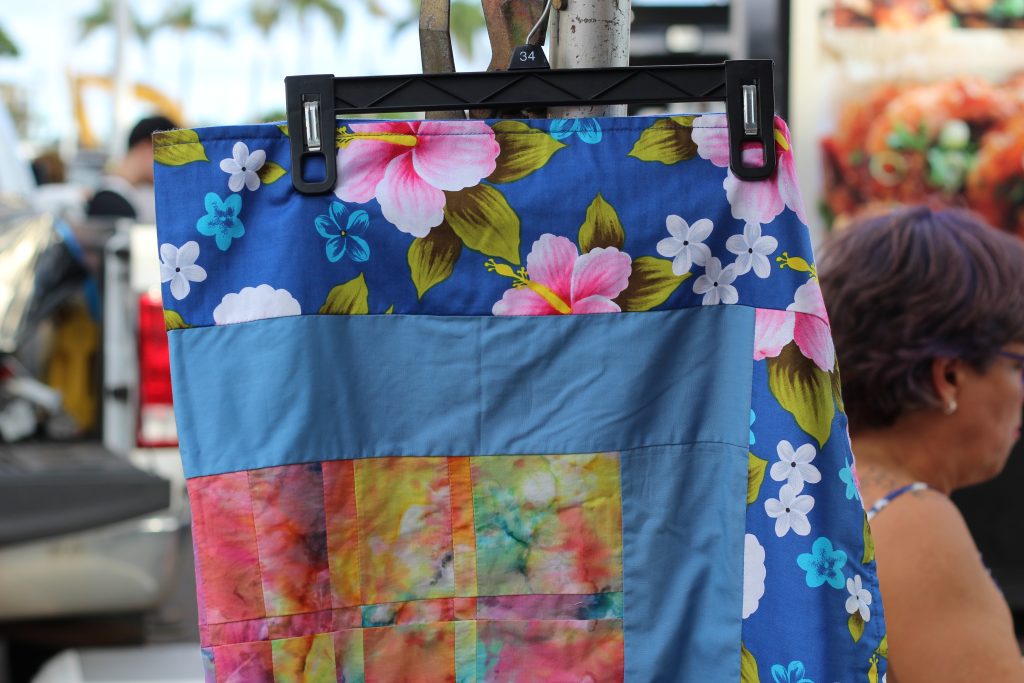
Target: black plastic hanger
746 87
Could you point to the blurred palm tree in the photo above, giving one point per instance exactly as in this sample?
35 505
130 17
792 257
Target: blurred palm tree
182 18
7 46
332 11
467 20
103 17
266 15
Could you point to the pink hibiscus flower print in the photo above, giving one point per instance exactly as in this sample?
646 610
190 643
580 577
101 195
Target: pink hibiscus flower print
804 321
753 201
557 280
409 165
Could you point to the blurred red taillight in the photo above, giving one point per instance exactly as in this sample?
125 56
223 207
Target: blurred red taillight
156 426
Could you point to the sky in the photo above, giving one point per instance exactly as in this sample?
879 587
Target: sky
220 81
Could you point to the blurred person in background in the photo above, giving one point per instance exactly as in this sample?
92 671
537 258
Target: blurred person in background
927 313
128 191
48 168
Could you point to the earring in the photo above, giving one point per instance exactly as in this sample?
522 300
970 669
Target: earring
951 406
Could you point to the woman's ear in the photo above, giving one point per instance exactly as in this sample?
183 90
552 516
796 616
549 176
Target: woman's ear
946 382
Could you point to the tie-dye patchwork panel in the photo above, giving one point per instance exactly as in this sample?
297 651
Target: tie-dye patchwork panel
485 567
518 401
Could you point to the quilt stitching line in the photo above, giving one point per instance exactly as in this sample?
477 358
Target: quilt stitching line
362 629
533 131
402 602
256 536
538 319
574 451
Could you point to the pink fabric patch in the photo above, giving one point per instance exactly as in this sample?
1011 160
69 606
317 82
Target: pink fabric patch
248 662
585 283
522 301
455 155
423 653
814 339
772 330
804 321
407 166
550 262
601 272
554 651
408 201
290 525
362 163
226 547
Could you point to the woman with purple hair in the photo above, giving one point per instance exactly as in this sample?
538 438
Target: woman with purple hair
927 312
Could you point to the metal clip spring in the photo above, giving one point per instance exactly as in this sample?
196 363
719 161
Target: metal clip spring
750 126
312 112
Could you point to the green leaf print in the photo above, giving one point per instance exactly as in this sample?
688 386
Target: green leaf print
837 388
668 141
748 666
856 626
601 227
523 151
177 148
432 258
755 477
270 172
650 284
174 321
349 298
484 221
803 390
869 543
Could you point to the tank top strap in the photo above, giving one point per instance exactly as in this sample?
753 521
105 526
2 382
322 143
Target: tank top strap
892 495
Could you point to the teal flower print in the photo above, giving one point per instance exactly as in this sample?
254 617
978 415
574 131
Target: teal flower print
794 673
221 220
587 130
753 417
848 478
343 231
823 564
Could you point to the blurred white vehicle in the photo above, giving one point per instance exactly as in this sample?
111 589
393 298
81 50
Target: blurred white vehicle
88 529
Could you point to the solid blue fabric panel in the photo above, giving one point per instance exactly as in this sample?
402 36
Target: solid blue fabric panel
303 389
682 539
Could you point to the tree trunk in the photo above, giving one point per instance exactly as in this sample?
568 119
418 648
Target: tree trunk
584 33
589 34
508 25
122 86
436 46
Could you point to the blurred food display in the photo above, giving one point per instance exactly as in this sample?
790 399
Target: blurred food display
902 14
956 142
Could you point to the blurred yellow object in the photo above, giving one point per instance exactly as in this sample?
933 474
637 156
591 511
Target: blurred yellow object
72 363
86 137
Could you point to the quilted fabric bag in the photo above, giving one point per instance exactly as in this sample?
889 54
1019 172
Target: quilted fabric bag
518 401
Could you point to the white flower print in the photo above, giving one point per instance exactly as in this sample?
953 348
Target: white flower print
789 511
794 467
255 303
178 266
716 284
752 250
859 598
686 245
753 574
243 167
